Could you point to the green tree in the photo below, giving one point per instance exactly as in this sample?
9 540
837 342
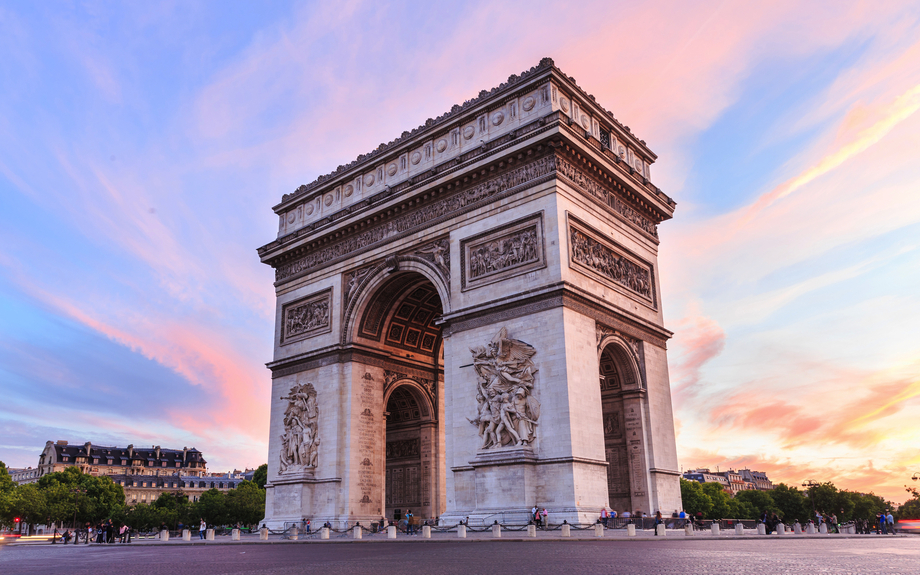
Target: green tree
695 499
790 503
758 502
7 489
721 501
910 509
260 477
29 504
93 498
212 507
246 504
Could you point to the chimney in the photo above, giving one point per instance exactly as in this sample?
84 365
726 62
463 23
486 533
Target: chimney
157 449
61 442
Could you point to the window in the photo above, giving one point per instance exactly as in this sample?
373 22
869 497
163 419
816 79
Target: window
96 460
164 464
178 464
144 484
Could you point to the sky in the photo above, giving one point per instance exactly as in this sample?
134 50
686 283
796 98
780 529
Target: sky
142 146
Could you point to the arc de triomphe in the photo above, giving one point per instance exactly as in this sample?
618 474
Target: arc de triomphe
469 321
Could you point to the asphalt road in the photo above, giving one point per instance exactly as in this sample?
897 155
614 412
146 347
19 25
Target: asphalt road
686 557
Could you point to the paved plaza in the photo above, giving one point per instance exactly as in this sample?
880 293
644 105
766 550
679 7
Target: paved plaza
862 554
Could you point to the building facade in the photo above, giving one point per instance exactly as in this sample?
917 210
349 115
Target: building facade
103 460
469 321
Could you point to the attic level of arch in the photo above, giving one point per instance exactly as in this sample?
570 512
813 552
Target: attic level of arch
627 179
553 158
545 74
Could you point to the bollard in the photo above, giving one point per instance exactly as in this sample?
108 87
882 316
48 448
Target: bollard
294 533
391 532
426 531
810 529
263 534
186 535
164 535
761 529
715 528
688 530
823 529
496 531
461 531
566 530
234 535
531 530
209 535
660 530
739 529
797 528
598 530
631 530
780 529
356 532
324 533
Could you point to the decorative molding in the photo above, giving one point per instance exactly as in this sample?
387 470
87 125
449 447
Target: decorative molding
596 256
306 317
602 331
352 281
430 386
504 252
422 217
595 189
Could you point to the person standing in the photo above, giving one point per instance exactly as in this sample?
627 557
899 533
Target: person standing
545 515
658 521
613 518
202 529
604 516
889 520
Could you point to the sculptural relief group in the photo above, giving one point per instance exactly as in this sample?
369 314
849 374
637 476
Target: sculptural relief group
300 441
508 411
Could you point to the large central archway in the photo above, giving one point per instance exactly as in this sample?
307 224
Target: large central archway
399 320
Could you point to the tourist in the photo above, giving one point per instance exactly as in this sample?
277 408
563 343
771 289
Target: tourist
889 520
604 516
409 526
658 521
545 515
202 529
307 526
613 518
535 514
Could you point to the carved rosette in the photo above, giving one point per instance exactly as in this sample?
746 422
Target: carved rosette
300 441
508 412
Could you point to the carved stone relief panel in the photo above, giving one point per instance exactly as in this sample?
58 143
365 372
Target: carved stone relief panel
438 253
508 412
306 317
593 254
504 252
300 442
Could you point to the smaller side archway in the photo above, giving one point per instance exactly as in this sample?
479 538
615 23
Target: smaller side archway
622 390
411 481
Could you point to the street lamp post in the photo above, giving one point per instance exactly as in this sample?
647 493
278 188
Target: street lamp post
76 505
809 485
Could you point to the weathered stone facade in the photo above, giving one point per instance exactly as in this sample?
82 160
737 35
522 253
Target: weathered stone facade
449 303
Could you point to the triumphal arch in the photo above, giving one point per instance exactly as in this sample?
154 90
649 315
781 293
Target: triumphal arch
469 321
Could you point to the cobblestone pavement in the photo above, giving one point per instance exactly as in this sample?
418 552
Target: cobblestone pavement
894 555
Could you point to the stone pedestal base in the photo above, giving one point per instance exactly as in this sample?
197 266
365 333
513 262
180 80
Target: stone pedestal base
531 530
356 532
780 529
209 535
661 531
324 533
688 530
739 529
630 530
164 535
235 535
598 530
263 534
496 531
391 532
761 529
461 531
715 528
426 532
186 535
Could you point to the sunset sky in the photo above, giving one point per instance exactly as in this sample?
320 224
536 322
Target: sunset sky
142 146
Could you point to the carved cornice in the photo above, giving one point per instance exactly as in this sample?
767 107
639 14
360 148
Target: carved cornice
456 200
342 354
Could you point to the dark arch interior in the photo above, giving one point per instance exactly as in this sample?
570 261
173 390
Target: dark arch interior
403 316
404 453
615 373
